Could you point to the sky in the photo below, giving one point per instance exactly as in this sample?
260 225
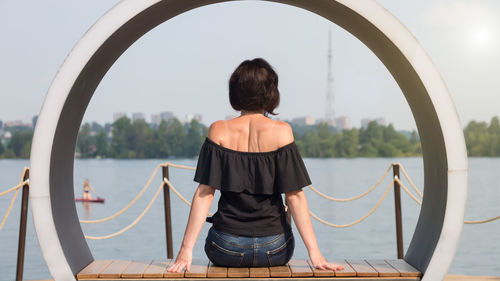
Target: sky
184 64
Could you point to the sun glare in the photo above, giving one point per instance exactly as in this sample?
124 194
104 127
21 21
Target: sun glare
482 38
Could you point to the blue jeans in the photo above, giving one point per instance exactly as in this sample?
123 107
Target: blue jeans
229 250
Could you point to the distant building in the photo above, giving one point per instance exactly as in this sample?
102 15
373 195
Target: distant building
380 121
330 122
118 115
306 120
166 115
342 123
138 116
155 119
14 123
190 117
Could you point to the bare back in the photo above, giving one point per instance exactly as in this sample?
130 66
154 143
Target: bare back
251 133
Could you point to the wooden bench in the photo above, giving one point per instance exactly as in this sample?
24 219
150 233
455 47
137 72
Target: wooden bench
294 270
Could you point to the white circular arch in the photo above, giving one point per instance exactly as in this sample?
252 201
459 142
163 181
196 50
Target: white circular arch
56 221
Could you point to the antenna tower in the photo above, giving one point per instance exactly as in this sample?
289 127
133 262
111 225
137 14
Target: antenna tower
329 113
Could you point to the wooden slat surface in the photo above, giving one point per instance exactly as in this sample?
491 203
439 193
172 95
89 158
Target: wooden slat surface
115 269
362 268
216 271
348 271
135 269
199 269
280 271
300 268
238 272
321 272
167 274
93 269
259 272
404 268
383 268
156 269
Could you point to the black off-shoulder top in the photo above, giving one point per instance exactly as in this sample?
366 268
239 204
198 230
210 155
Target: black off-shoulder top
251 184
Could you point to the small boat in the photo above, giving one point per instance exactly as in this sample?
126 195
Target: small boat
93 200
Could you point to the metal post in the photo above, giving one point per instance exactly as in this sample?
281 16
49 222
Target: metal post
22 229
397 205
168 214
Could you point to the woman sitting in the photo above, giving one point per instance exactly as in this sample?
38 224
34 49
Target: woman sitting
252 160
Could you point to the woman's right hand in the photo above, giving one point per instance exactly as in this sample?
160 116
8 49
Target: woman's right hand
319 262
183 261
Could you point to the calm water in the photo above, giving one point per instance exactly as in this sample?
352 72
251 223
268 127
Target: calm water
120 180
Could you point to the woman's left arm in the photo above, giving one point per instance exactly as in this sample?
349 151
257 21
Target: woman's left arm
202 200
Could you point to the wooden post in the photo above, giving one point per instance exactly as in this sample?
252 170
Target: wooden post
22 229
168 214
397 205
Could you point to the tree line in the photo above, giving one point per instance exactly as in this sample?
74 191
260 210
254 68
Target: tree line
174 139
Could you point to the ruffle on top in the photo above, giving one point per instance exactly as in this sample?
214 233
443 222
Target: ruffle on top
278 171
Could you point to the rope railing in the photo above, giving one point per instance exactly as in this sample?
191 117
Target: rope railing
14 188
358 220
131 203
133 223
165 180
331 198
420 203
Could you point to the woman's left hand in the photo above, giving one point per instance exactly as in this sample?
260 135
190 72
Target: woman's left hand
183 261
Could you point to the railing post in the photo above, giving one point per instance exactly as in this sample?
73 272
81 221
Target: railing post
168 214
397 205
22 229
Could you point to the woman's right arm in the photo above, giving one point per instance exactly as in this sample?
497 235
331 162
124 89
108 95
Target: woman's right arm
297 204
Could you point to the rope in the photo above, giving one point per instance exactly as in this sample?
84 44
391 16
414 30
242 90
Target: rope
9 209
481 221
130 203
178 166
180 195
420 203
409 180
355 197
396 179
358 220
14 187
133 223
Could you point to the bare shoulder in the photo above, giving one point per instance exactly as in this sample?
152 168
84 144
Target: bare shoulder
284 132
217 130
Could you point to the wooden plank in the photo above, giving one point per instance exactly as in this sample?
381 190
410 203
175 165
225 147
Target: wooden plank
321 272
300 268
404 268
156 269
259 272
348 271
115 269
362 268
280 271
167 274
216 271
93 269
383 268
238 272
135 269
199 268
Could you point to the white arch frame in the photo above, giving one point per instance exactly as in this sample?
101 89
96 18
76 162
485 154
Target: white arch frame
445 161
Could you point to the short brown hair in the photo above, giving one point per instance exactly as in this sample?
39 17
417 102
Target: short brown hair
254 86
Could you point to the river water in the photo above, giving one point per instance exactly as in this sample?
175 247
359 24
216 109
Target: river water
120 180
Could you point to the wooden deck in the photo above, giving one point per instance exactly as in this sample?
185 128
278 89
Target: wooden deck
294 270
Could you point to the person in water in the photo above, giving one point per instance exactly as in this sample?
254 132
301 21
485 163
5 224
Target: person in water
252 160
86 190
